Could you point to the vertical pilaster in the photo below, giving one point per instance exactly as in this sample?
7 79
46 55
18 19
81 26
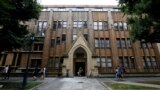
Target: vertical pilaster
47 40
114 51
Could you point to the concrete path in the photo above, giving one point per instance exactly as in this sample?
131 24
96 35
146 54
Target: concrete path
76 83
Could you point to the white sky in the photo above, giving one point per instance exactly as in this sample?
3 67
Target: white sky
78 2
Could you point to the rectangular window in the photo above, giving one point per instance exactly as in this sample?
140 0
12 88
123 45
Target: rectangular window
118 43
125 26
96 42
115 25
109 62
102 42
57 40
35 62
63 38
123 44
148 61
52 43
121 61
64 24
129 43
132 62
41 28
74 37
86 36
120 25
153 61
98 62
144 62
95 25
38 47
79 24
126 62
100 25
107 43
103 62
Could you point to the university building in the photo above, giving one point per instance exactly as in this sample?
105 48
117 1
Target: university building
95 38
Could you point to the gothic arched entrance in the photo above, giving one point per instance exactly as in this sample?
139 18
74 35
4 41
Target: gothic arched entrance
80 60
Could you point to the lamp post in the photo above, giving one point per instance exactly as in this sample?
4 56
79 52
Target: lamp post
25 76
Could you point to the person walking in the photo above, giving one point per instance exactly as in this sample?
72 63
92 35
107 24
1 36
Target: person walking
80 70
42 73
6 68
9 72
116 73
35 73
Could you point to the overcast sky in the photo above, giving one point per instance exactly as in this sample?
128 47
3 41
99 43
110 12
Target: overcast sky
78 2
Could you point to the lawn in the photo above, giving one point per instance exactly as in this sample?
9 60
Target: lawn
17 85
151 82
118 86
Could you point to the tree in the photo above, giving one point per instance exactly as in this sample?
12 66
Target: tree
143 19
13 15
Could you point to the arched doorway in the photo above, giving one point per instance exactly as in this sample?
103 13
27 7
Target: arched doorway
80 60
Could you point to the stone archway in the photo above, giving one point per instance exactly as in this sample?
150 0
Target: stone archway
80 61
69 62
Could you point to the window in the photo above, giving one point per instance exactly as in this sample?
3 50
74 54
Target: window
125 26
132 63
101 25
74 37
120 25
57 40
118 43
98 62
128 43
79 24
109 62
59 24
63 38
96 42
41 28
86 36
107 43
35 62
102 42
124 61
103 62
153 61
149 62
95 25
144 44
123 44
52 43
115 25
38 47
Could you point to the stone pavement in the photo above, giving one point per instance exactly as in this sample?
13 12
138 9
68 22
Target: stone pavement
76 83
84 83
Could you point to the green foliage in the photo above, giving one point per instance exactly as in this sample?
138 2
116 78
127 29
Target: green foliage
144 19
14 14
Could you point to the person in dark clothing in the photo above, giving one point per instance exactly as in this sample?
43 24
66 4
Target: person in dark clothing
35 73
9 72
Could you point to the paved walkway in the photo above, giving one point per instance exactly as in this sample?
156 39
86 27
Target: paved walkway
76 83
83 83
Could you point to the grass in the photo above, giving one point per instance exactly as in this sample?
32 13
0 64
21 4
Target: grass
118 86
151 82
17 85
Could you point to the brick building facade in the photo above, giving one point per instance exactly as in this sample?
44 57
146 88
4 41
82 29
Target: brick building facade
95 38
